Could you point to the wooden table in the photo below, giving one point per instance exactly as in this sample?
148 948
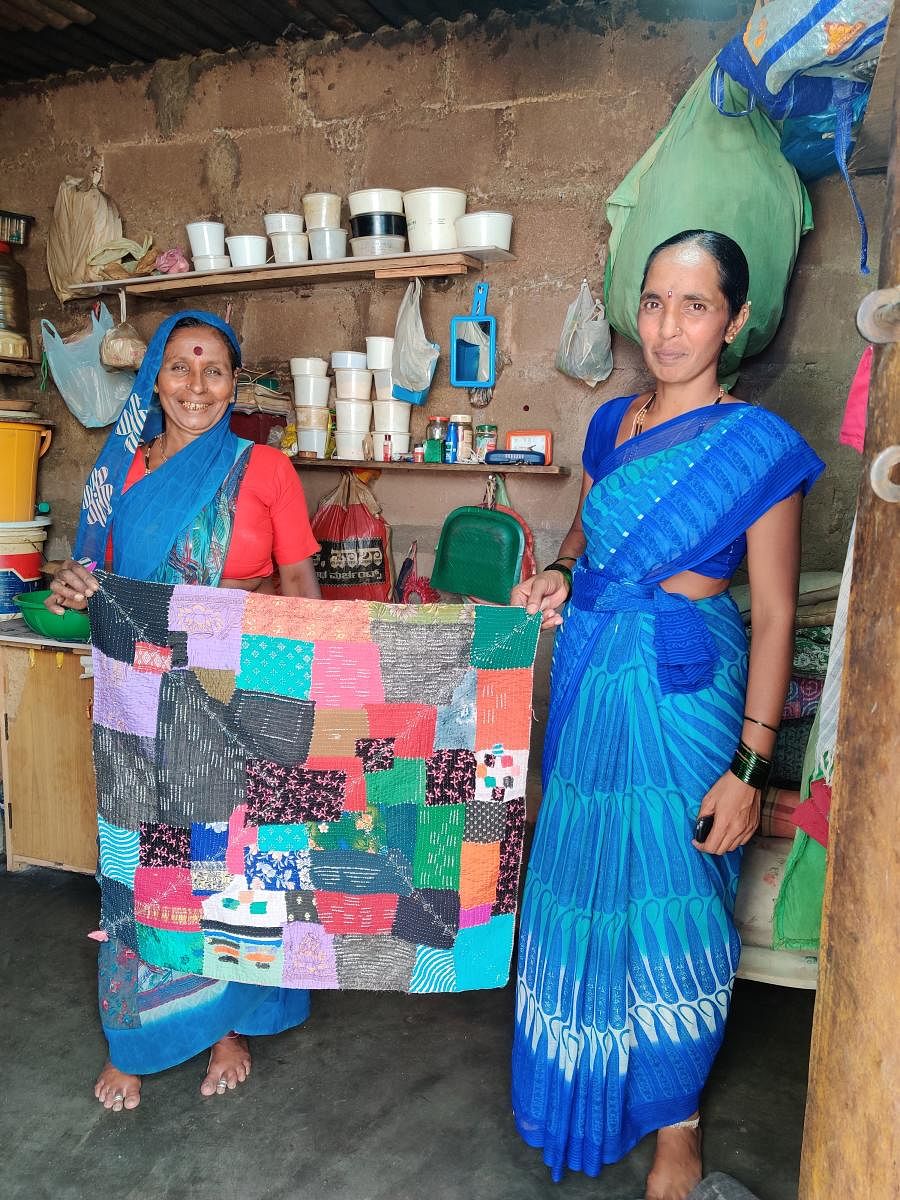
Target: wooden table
46 693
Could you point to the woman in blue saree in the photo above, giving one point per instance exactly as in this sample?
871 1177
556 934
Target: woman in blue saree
627 947
176 497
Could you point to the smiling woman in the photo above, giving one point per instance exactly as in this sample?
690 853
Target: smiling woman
627 947
177 498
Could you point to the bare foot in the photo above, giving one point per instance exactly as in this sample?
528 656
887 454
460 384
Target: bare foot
677 1166
116 1090
229 1065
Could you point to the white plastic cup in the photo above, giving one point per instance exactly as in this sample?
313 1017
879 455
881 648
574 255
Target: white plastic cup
484 229
326 245
392 416
384 384
309 366
312 440
247 250
290 247
311 391
431 218
283 222
211 262
379 353
348 360
322 210
349 445
308 417
352 385
353 415
206 237
372 200
399 443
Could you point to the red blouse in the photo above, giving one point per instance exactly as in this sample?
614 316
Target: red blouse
270 517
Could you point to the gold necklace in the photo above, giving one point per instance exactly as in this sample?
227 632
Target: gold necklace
637 425
161 438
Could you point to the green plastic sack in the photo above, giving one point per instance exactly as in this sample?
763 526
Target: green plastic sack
707 171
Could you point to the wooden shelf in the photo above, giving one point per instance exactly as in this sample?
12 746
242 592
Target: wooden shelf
280 275
22 368
355 464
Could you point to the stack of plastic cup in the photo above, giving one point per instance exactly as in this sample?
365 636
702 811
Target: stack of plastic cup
353 403
327 240
391 416
311 387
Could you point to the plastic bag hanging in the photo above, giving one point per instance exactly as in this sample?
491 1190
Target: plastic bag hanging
585 347
94 395
84 219
415 358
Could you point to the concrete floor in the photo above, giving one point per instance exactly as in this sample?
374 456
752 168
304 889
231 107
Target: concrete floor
378 1097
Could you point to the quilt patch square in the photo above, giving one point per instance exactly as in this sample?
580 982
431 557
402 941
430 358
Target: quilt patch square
306 793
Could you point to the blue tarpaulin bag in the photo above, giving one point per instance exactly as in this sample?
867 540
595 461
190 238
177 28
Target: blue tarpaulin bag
811 65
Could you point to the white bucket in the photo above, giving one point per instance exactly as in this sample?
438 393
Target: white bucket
349 445
247 250
352 384
312 440
206 237
311 390
384 384
431 218
290 247
379 353
399 443
283 222
392 416
308 417
21 561
309 366
322 210
353 416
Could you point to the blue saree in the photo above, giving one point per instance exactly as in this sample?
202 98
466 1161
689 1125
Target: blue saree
172 526
627 948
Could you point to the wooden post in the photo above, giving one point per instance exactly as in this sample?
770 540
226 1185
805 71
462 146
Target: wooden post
851 1144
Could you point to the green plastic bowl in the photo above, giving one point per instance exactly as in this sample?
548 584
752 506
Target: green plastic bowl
72 626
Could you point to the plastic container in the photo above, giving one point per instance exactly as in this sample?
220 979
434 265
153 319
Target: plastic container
72 626
247 250
377 247
283 222
462 422
384 384
352 384
348 360
206 237
436 429
22 443
322 210
378 224
21 561
211 262
375 200
326 245
399 443
309 417
349 445
312 440
353 415
290 247
485 440
309 366
392 416
379 353
311 391
431 215
484 229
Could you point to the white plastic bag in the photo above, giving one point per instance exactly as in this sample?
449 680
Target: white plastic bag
93 394
122 347
415 358
84 219
585 350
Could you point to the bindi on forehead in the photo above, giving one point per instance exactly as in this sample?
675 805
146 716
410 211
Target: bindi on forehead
198 350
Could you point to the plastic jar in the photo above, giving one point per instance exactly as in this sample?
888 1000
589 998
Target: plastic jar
436 429
485 440
463 423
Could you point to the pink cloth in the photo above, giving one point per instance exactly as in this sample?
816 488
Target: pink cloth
853 427
812 815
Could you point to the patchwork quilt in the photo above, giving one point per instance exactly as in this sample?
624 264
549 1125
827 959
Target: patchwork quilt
311 794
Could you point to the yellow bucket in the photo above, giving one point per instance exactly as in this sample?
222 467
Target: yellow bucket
22 443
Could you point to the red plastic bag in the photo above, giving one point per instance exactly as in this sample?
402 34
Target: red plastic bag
355 560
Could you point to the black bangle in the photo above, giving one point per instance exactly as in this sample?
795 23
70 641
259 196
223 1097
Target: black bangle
754 721
564 571
751 768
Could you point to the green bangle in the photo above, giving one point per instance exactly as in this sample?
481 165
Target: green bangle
564 571
751 768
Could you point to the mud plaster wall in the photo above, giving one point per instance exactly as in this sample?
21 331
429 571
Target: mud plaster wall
541 121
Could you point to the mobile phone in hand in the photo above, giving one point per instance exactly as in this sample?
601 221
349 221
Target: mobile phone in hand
702 828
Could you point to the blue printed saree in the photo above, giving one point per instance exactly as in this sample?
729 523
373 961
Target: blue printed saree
627 948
